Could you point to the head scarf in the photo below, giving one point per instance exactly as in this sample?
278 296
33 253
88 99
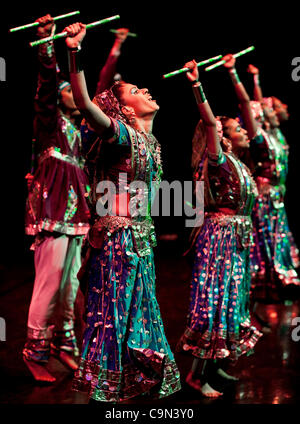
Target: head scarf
110 105
62 85
268 101
257 110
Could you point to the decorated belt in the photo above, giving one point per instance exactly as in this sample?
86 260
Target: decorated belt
242 223
54 152
143 232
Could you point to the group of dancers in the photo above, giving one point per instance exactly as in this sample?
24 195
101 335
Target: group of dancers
243 252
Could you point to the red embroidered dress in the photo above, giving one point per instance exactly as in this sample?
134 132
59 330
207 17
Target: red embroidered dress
57 199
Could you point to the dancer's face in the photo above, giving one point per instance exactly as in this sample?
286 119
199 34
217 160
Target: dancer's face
236 134
271 117
138 99
280 109
67 100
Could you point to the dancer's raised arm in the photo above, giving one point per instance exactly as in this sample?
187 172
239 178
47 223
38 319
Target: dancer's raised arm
95 117
209 120
242 95
257 92
107 73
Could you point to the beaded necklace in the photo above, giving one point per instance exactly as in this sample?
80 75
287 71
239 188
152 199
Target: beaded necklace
248 188
144 147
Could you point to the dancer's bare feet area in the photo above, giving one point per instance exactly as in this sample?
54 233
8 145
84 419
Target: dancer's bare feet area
225 375
208 391
192 381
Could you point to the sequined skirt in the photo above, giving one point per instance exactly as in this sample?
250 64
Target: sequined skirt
125 352
218 324
274 254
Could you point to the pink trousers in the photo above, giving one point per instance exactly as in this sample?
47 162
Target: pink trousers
57 260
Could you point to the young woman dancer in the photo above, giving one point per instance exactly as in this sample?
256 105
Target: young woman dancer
125 352
218 325
274 255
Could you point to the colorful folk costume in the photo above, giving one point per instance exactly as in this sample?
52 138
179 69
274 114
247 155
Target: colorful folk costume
218 324
57 214
125 352
274 255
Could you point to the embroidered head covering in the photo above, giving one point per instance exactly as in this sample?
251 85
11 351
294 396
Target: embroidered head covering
62 85
110 105
257 110
268 101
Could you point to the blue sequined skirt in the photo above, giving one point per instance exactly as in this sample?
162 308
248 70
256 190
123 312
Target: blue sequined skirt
218 324
125 352
274 255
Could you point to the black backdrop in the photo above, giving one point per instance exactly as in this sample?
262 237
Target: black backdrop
169 34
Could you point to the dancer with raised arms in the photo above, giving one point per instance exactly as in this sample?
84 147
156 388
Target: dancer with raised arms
125 352
218 325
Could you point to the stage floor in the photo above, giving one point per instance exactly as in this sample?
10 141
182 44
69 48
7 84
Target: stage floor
270 376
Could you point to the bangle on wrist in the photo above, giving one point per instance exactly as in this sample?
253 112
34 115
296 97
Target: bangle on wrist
256 79
74 61
75 49
198 92
234 76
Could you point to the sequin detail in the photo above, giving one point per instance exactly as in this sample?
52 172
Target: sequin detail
72 204
58 226
125 351
70 131
55 153
218 324
114 386
274 254
143 232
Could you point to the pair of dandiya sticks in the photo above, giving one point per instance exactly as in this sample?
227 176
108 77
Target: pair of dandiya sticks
64 34
112 18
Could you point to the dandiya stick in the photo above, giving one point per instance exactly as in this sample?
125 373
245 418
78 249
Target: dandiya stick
33 24
202 63
65 34
221 62
130 34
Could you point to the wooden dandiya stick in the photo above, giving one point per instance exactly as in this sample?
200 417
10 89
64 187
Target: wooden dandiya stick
221 62
202 63
33 24
65 34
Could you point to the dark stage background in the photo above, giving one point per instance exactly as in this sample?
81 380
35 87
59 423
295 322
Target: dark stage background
169 34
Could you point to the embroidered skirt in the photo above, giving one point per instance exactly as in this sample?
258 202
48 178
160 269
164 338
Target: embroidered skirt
274 255
219 320
125 352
